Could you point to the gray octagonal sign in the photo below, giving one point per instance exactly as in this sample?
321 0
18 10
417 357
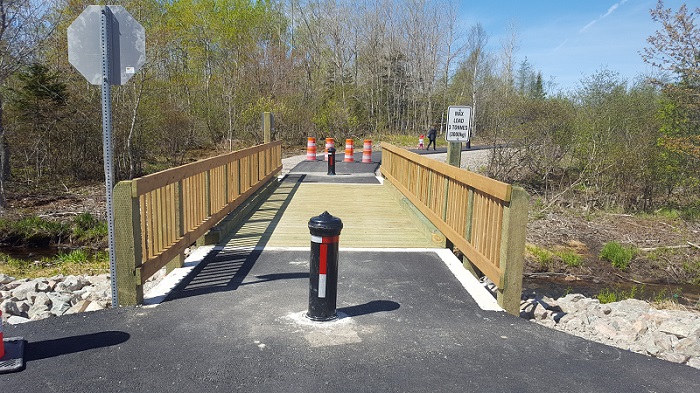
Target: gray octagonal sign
128 44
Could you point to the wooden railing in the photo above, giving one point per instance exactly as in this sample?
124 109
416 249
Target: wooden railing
484 218
158 216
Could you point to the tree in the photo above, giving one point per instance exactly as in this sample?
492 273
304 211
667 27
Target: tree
675 48
39 104
23 27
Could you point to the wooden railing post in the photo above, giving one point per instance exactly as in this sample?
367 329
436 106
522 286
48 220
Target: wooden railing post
179 260
267 127
127 250
468 233
513 251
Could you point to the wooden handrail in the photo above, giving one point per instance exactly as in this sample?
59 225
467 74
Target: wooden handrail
158 216
484 218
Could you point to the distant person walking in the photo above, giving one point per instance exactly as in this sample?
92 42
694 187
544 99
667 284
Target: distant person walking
432 134
420 141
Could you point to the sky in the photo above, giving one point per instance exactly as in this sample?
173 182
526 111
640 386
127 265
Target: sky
568 40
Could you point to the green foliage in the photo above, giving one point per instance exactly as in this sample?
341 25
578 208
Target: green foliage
543 256
334 69
609 296
74 256
606 296
546 258
692 269
617 254
78 261
33 230
570 258
88 229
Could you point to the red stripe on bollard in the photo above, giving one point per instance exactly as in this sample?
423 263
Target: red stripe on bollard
323 267
322 270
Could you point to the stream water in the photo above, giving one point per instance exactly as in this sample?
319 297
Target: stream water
555 287
30 253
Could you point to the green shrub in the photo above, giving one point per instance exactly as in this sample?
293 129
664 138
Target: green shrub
606 296
33 229
543 256
75 256
85 221
570 258
617 254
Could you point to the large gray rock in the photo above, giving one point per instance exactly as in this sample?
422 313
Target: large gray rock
60 303
672 335
678 328
9 307
42 299
20 292
5 279
39 311
689 346
70 284
14 320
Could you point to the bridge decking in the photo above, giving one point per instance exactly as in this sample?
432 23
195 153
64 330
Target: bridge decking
372 216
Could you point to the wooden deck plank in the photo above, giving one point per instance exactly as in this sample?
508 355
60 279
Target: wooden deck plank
371 217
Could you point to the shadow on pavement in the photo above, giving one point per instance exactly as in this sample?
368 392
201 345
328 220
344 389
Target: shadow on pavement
63 346
226 270
278 276
375 306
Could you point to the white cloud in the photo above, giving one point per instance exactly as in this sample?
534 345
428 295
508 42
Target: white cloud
610 11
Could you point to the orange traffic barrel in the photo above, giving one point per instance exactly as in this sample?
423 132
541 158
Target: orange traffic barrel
349 151
367 152
330 142
311 149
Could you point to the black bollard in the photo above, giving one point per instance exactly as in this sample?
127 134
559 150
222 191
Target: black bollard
323 278
331 161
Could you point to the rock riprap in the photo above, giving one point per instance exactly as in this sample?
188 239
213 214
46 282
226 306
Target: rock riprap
634 325
32 299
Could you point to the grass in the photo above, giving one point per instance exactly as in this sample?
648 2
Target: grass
609 296
543 256
546 258
84 229
692 269
689 212
620 256
570 258
75 262
664 298
32 229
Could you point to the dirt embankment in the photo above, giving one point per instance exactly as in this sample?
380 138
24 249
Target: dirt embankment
666 262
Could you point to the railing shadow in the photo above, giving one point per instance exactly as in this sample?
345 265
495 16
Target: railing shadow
226 270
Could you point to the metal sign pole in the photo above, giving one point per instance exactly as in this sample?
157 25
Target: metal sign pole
106 36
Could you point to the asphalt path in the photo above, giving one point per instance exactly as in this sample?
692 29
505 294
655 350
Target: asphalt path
407 325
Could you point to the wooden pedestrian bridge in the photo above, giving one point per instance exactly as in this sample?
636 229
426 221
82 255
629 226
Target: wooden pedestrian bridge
240 198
